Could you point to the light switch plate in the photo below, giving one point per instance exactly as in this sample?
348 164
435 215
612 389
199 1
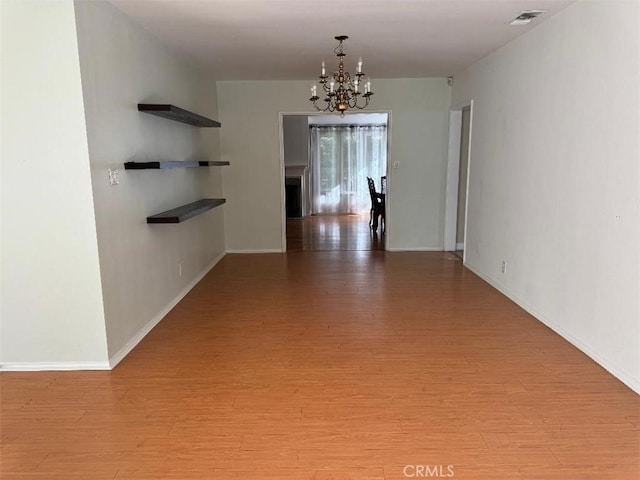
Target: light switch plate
114 177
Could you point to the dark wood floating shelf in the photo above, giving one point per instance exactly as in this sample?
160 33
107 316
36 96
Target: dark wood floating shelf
172 164
185 212
177 114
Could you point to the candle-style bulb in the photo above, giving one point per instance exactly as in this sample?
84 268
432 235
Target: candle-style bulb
323 69
332 84
360 65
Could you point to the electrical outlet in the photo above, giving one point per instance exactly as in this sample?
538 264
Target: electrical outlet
396 165
504 267
114 177
180 268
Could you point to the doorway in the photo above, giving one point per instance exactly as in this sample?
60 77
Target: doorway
326 160
460 127
461 215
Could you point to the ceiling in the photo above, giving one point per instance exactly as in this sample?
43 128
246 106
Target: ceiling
287 39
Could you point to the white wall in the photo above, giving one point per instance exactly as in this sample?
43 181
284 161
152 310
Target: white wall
249 111
555 181
350 119
123 65
295 136
52 312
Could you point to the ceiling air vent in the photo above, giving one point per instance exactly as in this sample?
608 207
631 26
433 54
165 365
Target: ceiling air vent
526 17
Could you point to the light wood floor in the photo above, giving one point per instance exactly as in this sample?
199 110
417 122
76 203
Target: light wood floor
317 233
334 365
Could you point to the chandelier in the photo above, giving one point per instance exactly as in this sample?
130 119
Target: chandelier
342 92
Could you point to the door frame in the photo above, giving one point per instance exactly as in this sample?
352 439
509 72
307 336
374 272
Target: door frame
453 172
283 212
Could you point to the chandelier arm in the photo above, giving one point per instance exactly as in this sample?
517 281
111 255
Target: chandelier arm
315 104
367 97
353 101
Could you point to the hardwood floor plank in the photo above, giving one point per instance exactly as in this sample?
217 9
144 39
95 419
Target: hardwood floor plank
319 233
329 365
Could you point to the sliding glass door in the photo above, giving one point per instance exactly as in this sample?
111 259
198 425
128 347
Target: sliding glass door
342 157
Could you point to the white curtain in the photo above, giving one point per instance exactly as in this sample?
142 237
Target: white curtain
342 157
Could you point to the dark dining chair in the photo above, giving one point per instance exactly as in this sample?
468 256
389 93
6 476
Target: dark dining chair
377 206
383 197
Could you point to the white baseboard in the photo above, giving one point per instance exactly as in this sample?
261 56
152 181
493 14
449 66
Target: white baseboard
52 366
630 381
415 249
116 358
265 250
